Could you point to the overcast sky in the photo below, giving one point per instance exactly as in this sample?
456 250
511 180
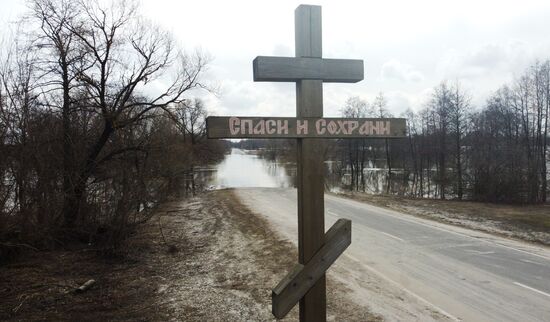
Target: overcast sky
408 47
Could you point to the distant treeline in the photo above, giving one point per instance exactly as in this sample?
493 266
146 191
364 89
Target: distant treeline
497 152
96 126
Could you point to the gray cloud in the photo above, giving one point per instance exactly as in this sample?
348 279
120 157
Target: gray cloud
394 69
489 60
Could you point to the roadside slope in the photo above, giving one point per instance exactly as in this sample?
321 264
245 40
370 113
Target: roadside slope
206 258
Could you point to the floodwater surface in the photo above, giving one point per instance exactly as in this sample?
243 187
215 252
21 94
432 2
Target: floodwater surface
244 169
240 169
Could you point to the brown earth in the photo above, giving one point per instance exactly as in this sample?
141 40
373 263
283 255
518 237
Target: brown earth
206 258
529 223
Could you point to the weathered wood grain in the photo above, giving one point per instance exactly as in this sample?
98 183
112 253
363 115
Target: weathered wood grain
304 127
296 284
308 39
310 165
290 69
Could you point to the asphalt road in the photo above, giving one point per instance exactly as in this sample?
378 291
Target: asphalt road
463 274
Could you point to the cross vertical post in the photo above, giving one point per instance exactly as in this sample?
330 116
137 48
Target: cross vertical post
310 185
317 250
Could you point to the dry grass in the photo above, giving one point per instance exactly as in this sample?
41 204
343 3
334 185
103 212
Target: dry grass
207 258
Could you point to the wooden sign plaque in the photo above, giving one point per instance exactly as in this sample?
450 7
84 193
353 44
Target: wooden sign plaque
290 127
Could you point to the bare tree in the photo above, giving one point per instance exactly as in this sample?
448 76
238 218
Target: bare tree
61 61
356 149
191 118
84 137
17 75
125 53
380 107
440 105
412 138
541 78
458 114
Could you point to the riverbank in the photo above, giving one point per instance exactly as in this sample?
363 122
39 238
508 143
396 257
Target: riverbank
528 223
206 258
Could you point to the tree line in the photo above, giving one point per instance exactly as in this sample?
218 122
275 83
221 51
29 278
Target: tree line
497 152
96 123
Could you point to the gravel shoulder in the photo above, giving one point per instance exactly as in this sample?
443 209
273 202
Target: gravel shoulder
529 223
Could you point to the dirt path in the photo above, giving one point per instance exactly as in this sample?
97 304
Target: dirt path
218 263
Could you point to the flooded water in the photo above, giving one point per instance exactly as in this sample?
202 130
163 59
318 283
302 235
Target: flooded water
242 169
246 169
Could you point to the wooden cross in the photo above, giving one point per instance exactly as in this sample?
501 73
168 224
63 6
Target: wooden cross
317 250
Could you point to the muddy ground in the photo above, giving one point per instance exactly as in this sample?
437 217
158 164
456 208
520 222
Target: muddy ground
203 259
529 223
